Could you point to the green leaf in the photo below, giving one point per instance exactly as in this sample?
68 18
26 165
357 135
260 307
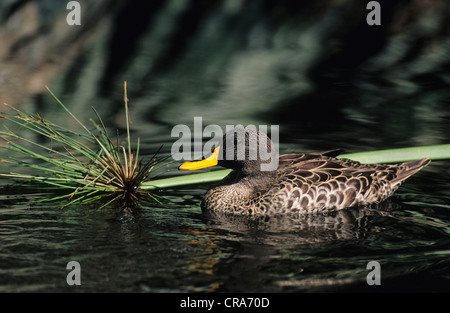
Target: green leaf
436 152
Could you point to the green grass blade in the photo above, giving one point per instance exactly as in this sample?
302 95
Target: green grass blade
67 110
190 179
125 98
437 152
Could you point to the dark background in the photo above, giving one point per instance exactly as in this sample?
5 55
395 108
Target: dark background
313 67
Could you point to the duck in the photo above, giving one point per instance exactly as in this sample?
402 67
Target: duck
300 183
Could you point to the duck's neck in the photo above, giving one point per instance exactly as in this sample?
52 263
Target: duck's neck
258 182
236 190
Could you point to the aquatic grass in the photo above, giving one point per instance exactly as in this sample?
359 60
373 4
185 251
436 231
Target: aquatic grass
86 166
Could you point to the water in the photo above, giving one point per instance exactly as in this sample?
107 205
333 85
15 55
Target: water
327 79
173 248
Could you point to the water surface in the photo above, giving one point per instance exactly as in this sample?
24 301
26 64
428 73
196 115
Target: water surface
174 248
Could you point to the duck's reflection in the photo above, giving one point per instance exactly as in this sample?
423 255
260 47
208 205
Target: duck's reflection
300 249
356 222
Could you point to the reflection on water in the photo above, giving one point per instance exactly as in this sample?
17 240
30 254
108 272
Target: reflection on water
343 224
176 248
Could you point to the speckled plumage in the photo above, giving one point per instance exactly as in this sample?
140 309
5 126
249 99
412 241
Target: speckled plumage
308 182
301 183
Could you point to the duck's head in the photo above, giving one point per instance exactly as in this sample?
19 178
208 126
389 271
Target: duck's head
245 150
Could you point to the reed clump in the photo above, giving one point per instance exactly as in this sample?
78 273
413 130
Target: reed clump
87 166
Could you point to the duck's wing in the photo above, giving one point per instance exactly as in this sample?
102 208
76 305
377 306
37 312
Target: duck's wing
317 179
323 166
290 159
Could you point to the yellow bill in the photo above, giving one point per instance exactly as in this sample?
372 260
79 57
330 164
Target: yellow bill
196 165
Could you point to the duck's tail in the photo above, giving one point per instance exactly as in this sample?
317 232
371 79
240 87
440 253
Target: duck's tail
407 169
